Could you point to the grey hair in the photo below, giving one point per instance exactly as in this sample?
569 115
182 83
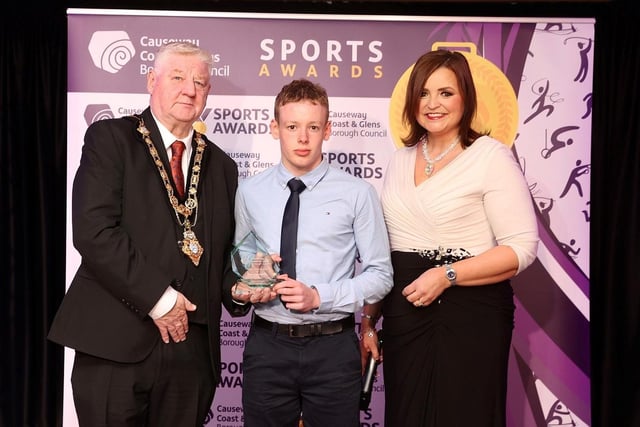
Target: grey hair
184 48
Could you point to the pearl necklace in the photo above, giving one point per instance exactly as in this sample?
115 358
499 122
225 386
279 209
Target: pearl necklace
428 169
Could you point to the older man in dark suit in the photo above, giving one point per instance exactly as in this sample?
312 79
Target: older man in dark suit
155 235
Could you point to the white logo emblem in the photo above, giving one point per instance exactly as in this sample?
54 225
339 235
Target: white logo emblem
111 50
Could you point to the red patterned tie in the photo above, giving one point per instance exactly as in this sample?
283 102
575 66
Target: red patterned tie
177 148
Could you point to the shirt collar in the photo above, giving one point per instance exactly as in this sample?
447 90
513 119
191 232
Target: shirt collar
310 179
168 138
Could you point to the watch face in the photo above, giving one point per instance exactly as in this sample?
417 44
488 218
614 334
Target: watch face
451 273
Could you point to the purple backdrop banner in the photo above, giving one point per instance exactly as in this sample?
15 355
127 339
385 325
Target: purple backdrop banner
534 83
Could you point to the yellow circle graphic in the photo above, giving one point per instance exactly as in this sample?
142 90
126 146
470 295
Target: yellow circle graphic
497 111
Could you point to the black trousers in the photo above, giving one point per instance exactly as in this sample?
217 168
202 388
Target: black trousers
173 386
318 377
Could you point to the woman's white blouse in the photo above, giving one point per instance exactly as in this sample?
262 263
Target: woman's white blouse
477 201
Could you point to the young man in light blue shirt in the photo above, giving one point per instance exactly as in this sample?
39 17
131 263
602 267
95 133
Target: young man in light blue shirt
302 354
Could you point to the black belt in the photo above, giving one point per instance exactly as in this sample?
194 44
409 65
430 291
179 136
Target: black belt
307 330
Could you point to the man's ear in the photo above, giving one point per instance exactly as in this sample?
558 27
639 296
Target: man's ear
327 131
275 129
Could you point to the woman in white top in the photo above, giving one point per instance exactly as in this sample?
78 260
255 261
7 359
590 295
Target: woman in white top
461 223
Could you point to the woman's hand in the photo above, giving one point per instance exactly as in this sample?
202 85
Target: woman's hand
427 288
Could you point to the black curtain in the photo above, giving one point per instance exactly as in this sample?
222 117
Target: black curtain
32 200
615 220
33 190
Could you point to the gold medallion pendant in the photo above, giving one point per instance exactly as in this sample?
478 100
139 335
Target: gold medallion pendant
191 247
189 209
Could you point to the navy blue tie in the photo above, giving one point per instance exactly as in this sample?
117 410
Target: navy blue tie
289 235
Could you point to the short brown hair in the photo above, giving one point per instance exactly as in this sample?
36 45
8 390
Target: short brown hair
301 90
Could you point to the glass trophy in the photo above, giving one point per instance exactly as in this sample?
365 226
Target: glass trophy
252 263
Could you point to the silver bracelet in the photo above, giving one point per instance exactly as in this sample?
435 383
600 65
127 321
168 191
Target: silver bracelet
369 333
370 317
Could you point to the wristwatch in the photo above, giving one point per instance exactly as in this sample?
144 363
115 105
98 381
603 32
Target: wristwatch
451 274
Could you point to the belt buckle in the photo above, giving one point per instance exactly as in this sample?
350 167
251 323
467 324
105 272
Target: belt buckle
297 331
304 331
315 329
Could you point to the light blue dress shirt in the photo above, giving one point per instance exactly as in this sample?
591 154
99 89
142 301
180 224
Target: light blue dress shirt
343 247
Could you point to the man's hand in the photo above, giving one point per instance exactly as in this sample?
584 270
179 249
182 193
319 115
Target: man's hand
243 293
296 295
175 323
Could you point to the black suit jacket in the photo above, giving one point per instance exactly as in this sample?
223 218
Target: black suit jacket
126 233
